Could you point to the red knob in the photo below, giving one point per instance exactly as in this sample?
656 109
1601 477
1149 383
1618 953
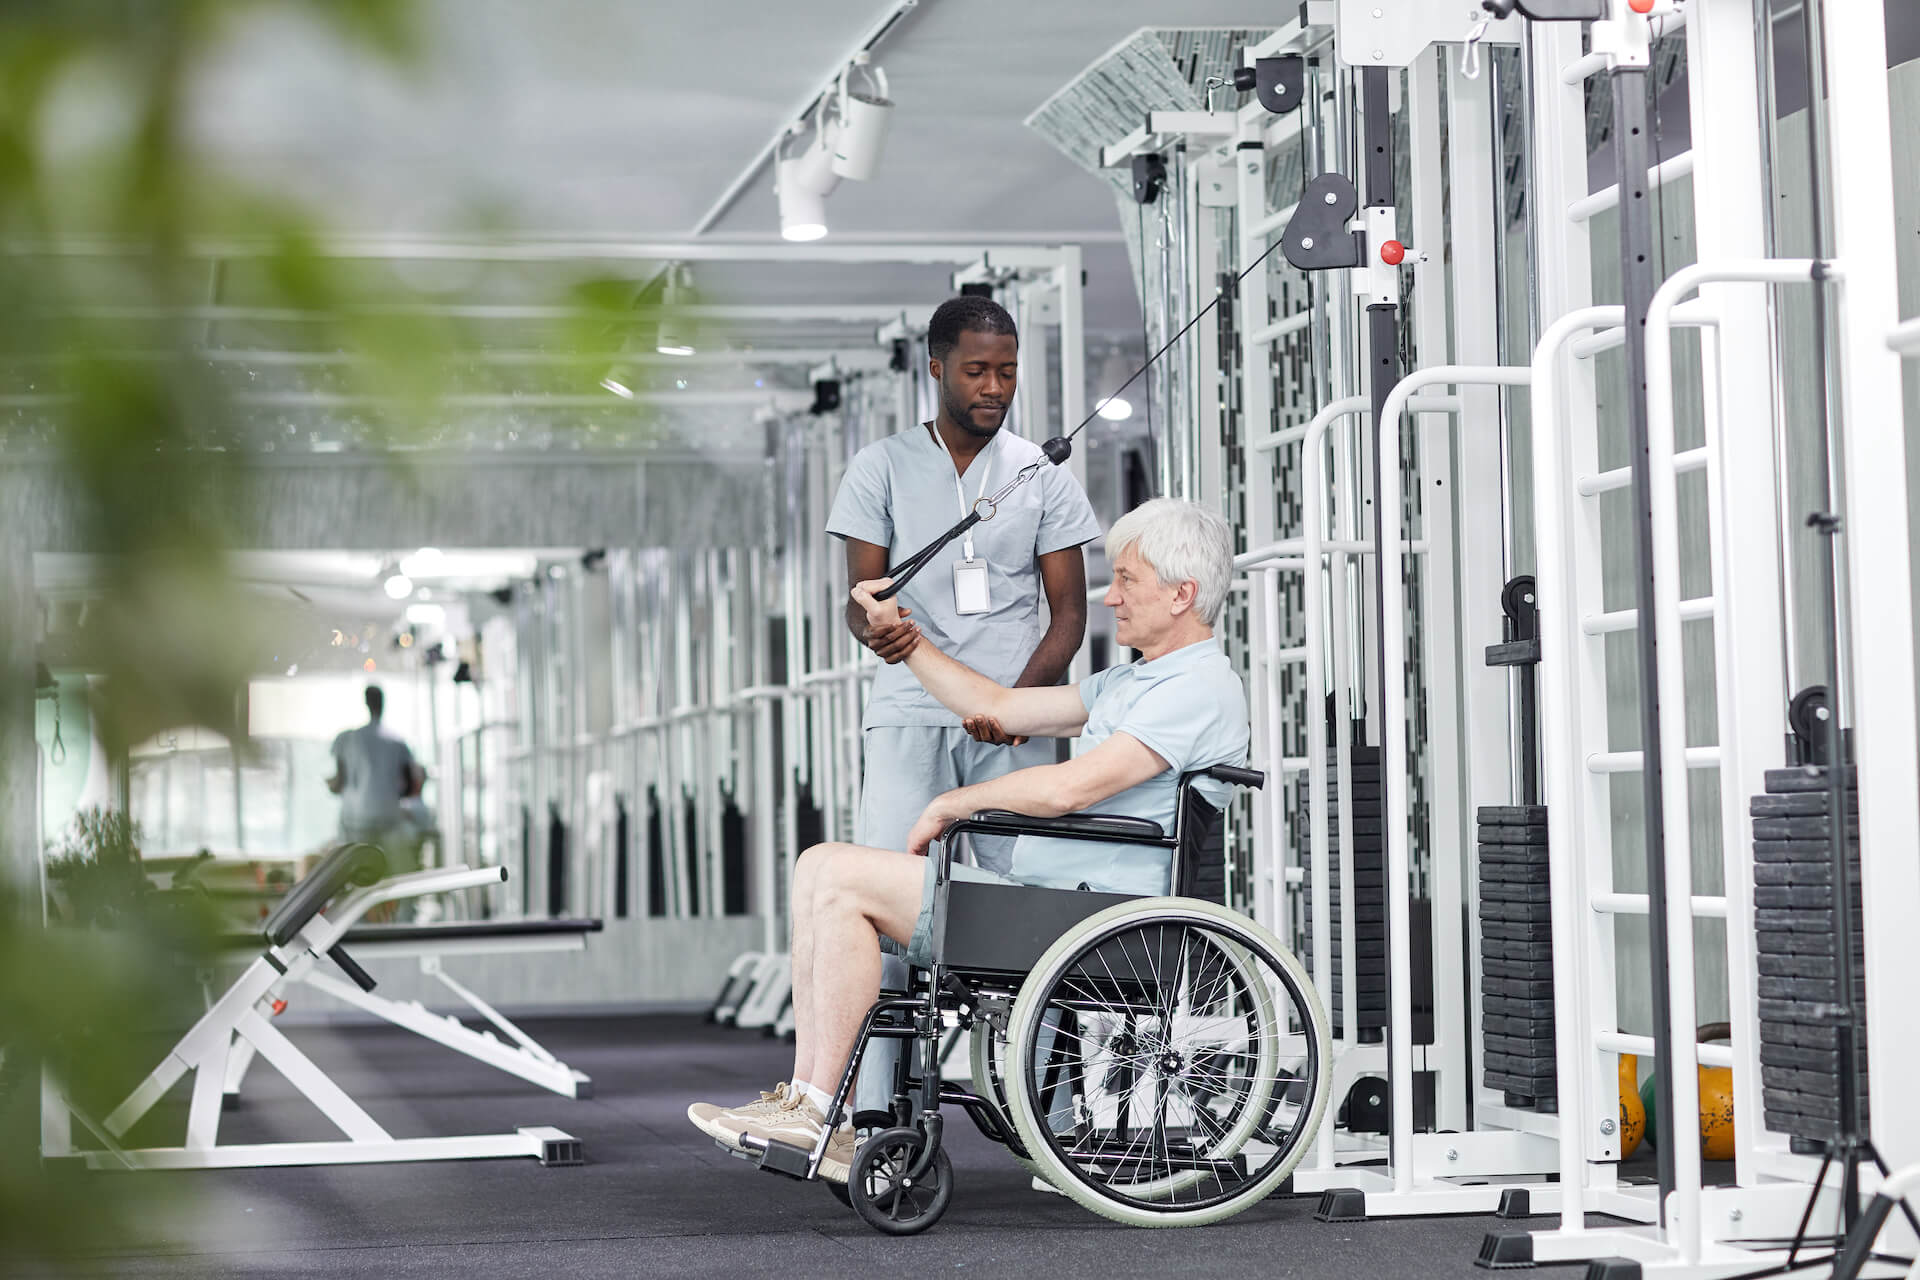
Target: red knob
1393 253
1641 6
279 1007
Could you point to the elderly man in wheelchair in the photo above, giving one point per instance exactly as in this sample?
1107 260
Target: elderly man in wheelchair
1161 1060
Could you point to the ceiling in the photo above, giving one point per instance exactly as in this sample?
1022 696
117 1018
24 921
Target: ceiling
612 119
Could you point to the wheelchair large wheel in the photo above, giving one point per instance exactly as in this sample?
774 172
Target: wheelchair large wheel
1203 1062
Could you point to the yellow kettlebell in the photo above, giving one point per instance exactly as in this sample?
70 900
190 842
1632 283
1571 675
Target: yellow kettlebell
1716 1100
1633 1112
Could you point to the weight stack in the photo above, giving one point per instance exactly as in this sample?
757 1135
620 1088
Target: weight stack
1798 955
1369 884
1516 956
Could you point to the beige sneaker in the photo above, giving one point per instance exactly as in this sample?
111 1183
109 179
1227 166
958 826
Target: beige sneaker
724 1124
800 1126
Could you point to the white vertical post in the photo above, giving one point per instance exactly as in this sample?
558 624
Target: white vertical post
1729 198
1879 587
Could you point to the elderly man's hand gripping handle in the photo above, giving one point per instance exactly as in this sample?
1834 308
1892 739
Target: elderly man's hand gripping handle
889 634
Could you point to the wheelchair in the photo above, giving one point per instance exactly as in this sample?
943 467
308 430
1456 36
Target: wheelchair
1161 1061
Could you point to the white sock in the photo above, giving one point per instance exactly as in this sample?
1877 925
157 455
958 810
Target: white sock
818 1097
799 1087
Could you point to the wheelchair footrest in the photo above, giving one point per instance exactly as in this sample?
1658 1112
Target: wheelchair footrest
781 1157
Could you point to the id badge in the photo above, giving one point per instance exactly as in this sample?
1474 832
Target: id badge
970 587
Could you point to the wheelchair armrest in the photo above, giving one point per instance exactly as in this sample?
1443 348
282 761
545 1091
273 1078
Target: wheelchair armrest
1079 826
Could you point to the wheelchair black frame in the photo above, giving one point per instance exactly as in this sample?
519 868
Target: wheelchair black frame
923 1010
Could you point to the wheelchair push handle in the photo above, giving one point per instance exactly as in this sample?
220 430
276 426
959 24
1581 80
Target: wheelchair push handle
1238 776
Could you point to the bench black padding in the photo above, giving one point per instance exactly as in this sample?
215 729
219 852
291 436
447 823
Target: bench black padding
453 930
358 863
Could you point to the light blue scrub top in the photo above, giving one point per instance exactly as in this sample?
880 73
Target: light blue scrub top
898 493
1190 708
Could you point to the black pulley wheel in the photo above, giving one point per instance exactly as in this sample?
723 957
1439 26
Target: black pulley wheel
865 1125
1517 596
1807 716
883 1190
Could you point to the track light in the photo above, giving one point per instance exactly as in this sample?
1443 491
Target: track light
398 585
1114 409
676 332
802 182
863 121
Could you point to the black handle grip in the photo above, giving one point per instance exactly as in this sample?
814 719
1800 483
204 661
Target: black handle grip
1238 776
361 977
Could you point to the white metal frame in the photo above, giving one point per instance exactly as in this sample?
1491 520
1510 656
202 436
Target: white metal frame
240 1017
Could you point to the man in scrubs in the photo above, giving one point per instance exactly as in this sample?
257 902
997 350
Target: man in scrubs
978 602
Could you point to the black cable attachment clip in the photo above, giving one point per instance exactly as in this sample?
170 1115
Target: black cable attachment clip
1316 238
1279 83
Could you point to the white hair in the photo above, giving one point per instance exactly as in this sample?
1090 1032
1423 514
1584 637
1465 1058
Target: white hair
1184 542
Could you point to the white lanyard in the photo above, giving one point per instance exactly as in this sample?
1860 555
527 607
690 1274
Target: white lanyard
984 460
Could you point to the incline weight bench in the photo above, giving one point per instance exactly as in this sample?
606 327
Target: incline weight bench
298 937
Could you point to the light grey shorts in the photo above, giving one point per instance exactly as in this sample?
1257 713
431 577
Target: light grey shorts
920 945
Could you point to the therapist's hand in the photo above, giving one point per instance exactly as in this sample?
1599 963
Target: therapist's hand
889 634
986 729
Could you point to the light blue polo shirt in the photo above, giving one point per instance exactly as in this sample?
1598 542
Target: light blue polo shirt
898 493
1190 708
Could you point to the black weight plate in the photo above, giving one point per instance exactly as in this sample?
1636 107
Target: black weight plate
1801 1103
1488 834
1799 1035
1820 1084
1798 1057
1540 913
1816 944
1498 1006
1527 970
1501 949
1513 872
1807 873
1800 1012
1791 829
1790 966
1506 891
1801 897
1524 1086
1804 778
1802 851
1511 815
1522 1028
1513 1068
1517 988
1526 855
1538 1047
1799 804
1815 990
1539 931
1777 920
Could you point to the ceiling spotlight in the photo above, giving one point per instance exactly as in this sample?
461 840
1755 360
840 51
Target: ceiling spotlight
398 585
802 181
863 122
1114 409
676 334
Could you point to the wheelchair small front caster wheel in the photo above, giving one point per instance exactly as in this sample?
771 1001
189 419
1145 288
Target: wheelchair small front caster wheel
865 1125
883 1191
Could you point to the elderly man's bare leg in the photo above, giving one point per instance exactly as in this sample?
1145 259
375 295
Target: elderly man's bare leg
844 897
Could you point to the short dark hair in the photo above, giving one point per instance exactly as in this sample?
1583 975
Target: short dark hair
376 701
967 314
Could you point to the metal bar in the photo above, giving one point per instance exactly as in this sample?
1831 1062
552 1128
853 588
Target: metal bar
1669 170
1635 904
1600 624
1621 477
1694 313
1634 761
1904 338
